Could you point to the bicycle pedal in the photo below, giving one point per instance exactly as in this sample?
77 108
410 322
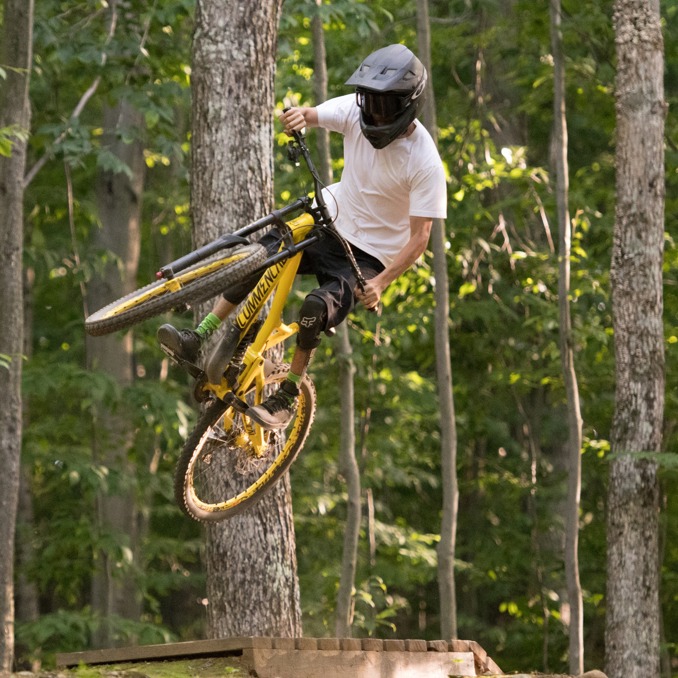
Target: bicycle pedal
236 403
171 355
195 371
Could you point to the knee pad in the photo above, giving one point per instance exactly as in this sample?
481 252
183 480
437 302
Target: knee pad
312 320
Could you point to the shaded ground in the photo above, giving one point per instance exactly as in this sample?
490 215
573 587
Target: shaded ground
209 667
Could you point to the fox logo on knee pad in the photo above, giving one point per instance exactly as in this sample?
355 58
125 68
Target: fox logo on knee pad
312 319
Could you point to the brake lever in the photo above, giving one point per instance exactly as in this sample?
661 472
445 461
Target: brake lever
293 152
297 148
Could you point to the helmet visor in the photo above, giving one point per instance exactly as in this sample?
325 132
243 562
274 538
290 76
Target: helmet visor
381 107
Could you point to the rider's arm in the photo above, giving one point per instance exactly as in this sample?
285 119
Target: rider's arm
420 230
295 119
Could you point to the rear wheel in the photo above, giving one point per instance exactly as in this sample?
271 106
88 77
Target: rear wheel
219 474
197 283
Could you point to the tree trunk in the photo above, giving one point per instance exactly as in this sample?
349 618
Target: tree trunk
632 619
114 591
26 594
348 464
320 85
448 429
16 57
574 439
252 584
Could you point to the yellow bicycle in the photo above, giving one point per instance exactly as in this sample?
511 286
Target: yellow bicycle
229 461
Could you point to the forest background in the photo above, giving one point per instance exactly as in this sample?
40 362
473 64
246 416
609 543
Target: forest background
493 80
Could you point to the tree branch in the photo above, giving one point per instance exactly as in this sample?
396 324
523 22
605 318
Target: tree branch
87 95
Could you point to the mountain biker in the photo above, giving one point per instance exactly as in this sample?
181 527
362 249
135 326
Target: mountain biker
392 187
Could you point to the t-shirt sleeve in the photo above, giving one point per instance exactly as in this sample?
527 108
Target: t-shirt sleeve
336 114
428 193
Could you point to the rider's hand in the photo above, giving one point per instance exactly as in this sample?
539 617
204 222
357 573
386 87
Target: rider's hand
371 295
293 120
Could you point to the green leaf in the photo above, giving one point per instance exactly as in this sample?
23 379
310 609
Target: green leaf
466 289
109 162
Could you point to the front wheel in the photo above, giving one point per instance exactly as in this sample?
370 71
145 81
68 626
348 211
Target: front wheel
197 283
221 471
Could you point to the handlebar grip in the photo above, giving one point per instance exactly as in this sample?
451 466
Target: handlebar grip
298 136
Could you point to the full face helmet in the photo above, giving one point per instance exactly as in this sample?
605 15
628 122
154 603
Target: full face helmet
390 85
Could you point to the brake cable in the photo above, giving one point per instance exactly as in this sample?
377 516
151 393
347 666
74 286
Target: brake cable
294 153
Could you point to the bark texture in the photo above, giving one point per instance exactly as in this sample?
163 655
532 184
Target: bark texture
348 463
632 620
16 56
350 470
234 48
114 590
448 427
566 337
252 584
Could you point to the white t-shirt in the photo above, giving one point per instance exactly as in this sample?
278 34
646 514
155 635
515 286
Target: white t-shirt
381 188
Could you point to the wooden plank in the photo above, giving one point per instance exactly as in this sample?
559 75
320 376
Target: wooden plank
192 648
350 644
306 643
284 643
372 644
359 664
311 657
329 644
484 663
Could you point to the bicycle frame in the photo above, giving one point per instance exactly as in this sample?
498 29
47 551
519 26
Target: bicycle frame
318 210
276 281
277 276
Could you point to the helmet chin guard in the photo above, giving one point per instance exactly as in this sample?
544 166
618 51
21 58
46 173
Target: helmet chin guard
390 86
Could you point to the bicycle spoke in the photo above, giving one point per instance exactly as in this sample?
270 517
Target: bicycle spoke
222 470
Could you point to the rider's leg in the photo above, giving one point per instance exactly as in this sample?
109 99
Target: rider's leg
186 344
212 321
278 410
300 361
223 308
313 318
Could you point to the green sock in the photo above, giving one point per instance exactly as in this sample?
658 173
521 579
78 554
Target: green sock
209 323
290 387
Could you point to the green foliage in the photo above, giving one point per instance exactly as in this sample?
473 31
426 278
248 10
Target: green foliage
492 77
65 631
494 134
9 136
145 61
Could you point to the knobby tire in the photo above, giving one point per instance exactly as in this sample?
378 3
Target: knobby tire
217 476
197 283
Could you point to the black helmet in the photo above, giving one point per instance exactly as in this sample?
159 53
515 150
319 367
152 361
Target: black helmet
390 86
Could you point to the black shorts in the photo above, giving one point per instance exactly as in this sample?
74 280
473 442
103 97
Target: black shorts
327 260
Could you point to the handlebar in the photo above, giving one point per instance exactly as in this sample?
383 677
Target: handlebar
320 213
300 148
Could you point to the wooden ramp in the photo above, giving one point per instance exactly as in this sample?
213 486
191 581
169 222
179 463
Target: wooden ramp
315 657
